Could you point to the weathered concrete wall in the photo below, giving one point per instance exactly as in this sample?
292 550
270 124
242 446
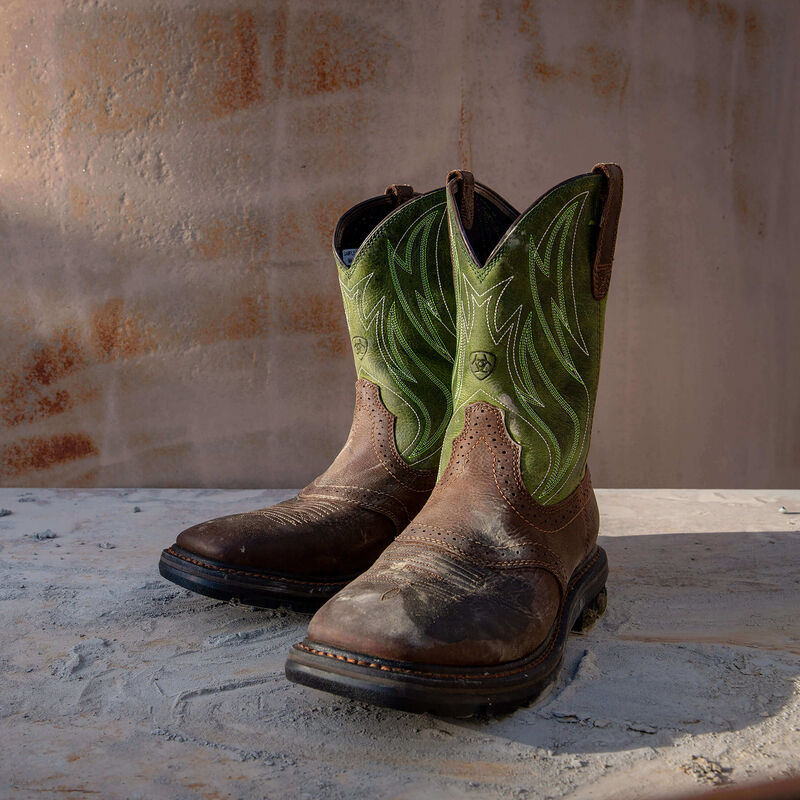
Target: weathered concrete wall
170 173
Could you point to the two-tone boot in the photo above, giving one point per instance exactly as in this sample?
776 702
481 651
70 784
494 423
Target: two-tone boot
470 607
394 264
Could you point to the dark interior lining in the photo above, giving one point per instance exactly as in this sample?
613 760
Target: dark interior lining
360 221
493 217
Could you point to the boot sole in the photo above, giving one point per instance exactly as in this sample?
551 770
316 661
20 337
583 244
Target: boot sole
250 587
456 691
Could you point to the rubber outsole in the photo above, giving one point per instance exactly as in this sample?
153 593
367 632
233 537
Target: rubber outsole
250 587
456 691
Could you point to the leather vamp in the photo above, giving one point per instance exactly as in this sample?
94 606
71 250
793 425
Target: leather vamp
479 576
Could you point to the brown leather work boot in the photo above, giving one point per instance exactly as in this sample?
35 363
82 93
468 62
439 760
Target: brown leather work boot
393 257
470 607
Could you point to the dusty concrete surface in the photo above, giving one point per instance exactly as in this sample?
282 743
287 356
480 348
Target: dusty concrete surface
118 684
170 173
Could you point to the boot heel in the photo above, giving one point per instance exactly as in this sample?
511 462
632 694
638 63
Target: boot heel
592 612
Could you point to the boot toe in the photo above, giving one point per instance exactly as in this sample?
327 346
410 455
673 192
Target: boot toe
361 620
220 539
288 540
424 624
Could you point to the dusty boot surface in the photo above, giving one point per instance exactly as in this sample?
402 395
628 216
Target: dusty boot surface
470 607
394 263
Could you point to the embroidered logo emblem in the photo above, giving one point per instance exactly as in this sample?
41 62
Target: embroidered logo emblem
481 364
359 346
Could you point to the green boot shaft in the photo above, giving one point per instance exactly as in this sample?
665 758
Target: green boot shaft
530 326
395 273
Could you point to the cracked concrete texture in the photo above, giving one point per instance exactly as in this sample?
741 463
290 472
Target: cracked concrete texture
119 683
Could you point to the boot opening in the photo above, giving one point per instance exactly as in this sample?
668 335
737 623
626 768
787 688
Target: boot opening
359 222
485 216
492 218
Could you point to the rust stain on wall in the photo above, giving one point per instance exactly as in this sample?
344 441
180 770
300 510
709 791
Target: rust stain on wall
754 38
741 199
117 72
547 72
30 390
723 15
728 20
279 25
529 20
321 315
331 53
230 44
244 237
125 71
245 318
28 393
605 70
248 320
749 192
117 335
492 11
79 202
40 452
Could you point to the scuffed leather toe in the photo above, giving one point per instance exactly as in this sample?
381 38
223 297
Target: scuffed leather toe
219 539
477 583
397 611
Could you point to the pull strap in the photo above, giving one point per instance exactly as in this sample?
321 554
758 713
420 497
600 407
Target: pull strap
607 237
400 193
466 195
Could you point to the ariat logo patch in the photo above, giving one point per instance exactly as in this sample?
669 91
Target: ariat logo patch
481 364
360 345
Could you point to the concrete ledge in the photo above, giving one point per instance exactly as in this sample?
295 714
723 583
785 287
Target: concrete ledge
118 683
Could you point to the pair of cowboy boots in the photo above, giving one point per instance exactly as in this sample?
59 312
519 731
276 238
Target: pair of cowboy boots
453 540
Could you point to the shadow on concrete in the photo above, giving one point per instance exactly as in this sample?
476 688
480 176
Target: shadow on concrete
701 636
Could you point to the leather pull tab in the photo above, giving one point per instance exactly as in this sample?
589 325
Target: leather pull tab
400 193
607 237
466 195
